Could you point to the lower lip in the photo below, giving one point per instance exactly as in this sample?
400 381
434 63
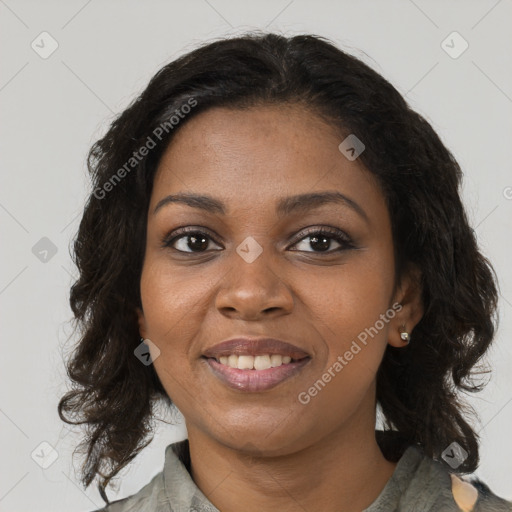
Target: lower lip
255 380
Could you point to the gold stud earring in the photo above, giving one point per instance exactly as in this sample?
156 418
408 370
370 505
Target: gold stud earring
404 335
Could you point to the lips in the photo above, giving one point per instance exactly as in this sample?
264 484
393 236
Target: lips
291 361
255 380
255 347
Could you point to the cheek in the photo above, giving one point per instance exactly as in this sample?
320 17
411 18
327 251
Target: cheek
168 314
351 313
170 299
354 340
345 300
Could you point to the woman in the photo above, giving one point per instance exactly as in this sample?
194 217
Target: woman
275 243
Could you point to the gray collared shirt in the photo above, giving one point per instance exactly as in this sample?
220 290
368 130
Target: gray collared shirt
418 484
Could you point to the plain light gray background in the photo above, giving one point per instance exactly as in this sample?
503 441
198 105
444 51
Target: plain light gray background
53 108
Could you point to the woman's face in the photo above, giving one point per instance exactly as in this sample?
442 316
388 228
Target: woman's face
259 268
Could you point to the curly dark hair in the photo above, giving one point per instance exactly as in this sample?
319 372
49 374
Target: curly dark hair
418 387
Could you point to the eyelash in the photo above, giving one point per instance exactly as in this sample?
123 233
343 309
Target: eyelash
333 233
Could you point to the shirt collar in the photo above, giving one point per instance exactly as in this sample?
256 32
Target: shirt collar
183 494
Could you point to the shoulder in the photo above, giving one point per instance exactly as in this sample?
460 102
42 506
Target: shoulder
170 489
476 494
151 498
422 484
439 489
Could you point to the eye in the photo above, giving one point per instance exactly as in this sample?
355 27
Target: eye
188 240
192 240
320 240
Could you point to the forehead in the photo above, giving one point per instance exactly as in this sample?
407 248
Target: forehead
252 156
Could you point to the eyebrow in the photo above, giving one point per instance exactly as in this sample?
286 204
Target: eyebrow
286 206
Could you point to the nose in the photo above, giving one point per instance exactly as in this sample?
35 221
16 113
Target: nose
253 291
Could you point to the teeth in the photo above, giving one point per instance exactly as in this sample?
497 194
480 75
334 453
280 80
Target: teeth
262 362
277 360
245 362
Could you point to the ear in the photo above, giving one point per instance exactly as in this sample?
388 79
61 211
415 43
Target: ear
142 323
409 295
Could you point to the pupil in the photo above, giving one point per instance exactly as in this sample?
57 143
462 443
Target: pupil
322 246
193 239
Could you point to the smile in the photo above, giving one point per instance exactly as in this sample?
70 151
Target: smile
248 362
255 373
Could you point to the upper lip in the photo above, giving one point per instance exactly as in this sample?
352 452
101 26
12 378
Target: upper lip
255 347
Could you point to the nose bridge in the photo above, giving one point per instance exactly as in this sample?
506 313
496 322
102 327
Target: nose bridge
253 285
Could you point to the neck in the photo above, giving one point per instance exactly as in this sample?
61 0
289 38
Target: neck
343 471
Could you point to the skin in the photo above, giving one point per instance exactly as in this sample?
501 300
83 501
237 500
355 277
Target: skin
267 450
